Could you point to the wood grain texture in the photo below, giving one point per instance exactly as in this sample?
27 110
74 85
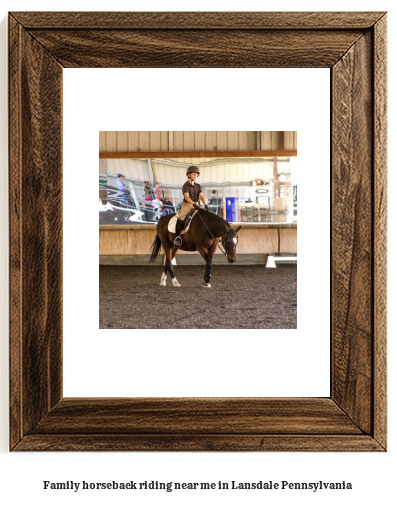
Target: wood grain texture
36 230
353 45
196 48
15 226
197 416
116 240
195 443
253 247
380 229
352 232
202 20
206 424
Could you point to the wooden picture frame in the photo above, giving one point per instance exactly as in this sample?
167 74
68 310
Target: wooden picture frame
353 46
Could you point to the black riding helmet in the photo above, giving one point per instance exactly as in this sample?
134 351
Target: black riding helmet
192 169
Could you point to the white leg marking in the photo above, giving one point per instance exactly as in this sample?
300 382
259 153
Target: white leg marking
163 281
207 285
175 282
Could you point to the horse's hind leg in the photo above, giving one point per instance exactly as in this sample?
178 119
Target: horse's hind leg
163 280
169 255
175 282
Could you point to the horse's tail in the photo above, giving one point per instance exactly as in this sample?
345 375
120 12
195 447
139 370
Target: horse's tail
155 248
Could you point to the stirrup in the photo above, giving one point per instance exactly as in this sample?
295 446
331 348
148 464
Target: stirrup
178 241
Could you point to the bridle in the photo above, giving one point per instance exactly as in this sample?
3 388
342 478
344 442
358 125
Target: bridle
219 244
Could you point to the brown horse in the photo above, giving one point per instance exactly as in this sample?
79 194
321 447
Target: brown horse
205 232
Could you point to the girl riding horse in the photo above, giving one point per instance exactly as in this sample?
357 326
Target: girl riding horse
206 231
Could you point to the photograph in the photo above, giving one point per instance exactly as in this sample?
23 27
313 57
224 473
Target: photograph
196 214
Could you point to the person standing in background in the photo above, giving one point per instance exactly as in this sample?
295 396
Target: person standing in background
124 189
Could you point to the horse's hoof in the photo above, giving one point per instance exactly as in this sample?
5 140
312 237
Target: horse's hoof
163 284
175 283
207 285
163 281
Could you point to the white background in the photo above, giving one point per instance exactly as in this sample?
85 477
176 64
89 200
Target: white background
21 475
236 363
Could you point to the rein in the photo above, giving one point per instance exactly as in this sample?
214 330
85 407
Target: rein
219 245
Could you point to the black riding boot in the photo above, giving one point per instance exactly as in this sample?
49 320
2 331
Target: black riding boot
178 230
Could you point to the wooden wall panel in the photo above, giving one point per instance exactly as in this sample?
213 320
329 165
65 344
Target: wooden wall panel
252 140
290 140
199 140
113 242
257 241
111 141
232 139
288 240
144 140
155 140
102 141
242 140
133 140
127 241
211 140
124 141
179 141
269 140
164 140
222 140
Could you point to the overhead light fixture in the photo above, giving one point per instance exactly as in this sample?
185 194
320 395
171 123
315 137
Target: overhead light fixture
282 178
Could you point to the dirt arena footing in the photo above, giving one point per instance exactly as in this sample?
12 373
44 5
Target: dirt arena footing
241 297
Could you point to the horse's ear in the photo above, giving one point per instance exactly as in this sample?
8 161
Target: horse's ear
238 228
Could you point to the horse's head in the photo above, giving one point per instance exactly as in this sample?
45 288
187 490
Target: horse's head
229 243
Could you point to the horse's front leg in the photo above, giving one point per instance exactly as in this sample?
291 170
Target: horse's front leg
163 280
207 255
207 274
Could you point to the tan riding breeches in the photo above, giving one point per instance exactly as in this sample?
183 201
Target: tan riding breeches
186 208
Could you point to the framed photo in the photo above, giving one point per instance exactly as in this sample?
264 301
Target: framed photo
353 46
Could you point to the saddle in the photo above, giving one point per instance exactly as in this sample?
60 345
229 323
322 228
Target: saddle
188 219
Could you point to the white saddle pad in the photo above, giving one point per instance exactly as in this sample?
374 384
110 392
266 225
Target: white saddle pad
172 224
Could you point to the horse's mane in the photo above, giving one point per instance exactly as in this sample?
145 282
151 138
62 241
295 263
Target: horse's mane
216 218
